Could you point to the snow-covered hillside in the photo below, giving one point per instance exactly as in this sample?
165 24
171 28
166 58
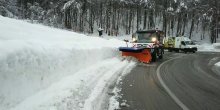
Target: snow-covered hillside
43 68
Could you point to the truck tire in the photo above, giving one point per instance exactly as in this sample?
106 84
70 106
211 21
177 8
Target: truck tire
185 51
161 56
161 53
169 50
177 50
154 56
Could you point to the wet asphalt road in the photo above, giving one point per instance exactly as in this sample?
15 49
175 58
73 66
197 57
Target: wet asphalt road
192 79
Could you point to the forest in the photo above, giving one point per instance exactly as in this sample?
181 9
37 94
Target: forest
174 17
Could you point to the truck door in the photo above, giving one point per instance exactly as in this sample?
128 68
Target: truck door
183 44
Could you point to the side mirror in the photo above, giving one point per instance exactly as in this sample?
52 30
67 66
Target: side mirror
183 43
126 40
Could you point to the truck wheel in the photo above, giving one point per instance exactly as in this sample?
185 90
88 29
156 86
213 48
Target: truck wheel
177 50
154 56
162 51
169 50
161 56
185 51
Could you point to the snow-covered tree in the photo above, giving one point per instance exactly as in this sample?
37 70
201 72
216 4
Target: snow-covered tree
174 17
8 8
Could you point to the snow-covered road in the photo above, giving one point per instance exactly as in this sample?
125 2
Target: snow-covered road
43 68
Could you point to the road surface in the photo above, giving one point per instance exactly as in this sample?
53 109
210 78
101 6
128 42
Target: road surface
179 81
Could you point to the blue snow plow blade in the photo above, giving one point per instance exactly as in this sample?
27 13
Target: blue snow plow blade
131 49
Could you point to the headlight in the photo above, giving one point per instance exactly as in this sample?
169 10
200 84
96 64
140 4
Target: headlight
154 39
134 39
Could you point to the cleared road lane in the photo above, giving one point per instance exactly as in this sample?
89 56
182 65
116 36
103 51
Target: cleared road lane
191 78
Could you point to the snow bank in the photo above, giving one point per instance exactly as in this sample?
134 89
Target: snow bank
43 68
114 103
209 47
216 67
80 90
217 64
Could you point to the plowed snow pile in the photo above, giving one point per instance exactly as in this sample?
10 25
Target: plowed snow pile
206 47
43 68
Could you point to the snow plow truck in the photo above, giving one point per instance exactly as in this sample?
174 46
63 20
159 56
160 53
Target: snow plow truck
147 46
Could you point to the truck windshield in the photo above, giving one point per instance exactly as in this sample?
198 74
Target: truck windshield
144 38
189 43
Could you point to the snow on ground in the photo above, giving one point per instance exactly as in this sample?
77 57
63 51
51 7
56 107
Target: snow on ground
123 37
206 47
114 104
43 68
217 64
